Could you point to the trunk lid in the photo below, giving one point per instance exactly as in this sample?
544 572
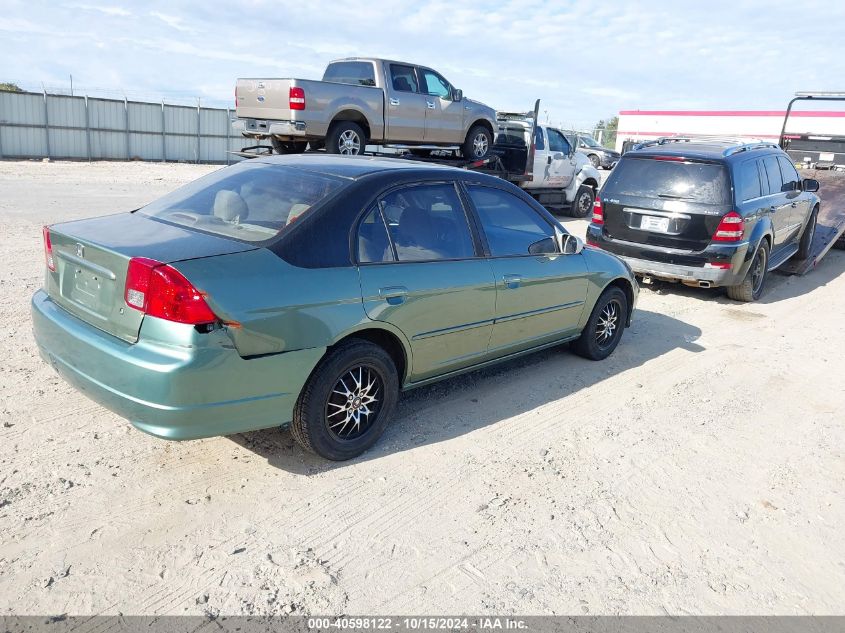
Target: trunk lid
665 203
92 256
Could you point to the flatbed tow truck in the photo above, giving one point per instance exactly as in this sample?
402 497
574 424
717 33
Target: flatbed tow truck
537 158
830 224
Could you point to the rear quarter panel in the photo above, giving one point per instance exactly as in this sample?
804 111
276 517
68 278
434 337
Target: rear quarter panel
604 269
276 307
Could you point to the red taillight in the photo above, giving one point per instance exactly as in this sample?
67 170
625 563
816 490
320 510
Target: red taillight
730 228
158 290
598 212
48 249
297 98
676 159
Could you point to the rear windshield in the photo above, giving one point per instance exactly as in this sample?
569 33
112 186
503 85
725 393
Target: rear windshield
250 201
672 180
355 73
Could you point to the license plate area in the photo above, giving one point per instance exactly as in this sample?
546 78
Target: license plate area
89 290
663 222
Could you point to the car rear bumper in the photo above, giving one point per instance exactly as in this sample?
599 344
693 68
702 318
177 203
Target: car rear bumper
716 265
196 385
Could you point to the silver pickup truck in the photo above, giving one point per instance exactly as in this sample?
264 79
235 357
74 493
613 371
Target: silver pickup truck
364 101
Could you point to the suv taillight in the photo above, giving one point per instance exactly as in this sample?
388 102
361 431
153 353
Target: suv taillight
48 249
296 98
161 291
730 228
598 212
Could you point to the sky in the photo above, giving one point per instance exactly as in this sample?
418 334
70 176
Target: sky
585 60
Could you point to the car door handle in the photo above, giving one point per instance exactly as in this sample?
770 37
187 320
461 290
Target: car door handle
512 281
394 101
394 295
429 105
549 160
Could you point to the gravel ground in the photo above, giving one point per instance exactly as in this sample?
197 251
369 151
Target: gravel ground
698 470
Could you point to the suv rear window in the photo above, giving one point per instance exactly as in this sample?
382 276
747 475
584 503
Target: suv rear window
670 179
355 73
252 202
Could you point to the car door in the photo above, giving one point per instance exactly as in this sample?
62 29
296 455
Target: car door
422 271
799 204
563 159
779 207
406 109
540 292
444 120
549 164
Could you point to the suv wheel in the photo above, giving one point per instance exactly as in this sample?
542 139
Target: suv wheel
755 279
604 329
347 402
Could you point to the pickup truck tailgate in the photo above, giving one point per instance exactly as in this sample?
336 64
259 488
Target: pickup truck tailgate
264 99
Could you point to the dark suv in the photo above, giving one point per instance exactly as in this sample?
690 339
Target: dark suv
706 212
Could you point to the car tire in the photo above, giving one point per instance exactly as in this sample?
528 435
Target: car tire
325 417
346 138
807 236
752 285
288 147
478 143
582 206
604 328
595 160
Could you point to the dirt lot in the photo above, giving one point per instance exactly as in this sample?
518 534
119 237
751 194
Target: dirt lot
698 470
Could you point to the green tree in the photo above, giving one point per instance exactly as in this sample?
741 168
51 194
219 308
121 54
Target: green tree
609 135
6 86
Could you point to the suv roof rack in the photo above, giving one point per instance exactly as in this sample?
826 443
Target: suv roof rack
747 147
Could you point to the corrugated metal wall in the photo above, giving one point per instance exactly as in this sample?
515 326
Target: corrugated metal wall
34 125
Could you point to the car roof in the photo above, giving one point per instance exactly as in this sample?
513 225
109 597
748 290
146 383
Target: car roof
356 167
706 150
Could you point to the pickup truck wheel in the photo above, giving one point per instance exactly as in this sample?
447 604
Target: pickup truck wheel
346 138
288 147
478 142
595 160
752 286
807 236
583 203
604 328
347 402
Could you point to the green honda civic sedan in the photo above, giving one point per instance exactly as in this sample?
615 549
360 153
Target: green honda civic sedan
310 290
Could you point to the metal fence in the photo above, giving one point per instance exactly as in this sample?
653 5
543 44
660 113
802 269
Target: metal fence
42 125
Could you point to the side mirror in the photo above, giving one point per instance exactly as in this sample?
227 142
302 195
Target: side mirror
568 244
457 94
810 184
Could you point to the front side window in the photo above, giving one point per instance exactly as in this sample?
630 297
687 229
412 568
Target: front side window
558 142
748 181
403 78
512 227
435 85
791 180
427 222
773 174
250 201
587 141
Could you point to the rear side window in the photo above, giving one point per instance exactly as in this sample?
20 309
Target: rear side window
670 179
748 181
373 243
511 226
790 177
539 142
403 78
427 222
250 201
355 73
770 163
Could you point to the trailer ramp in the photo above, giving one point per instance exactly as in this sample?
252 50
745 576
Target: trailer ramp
830 225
